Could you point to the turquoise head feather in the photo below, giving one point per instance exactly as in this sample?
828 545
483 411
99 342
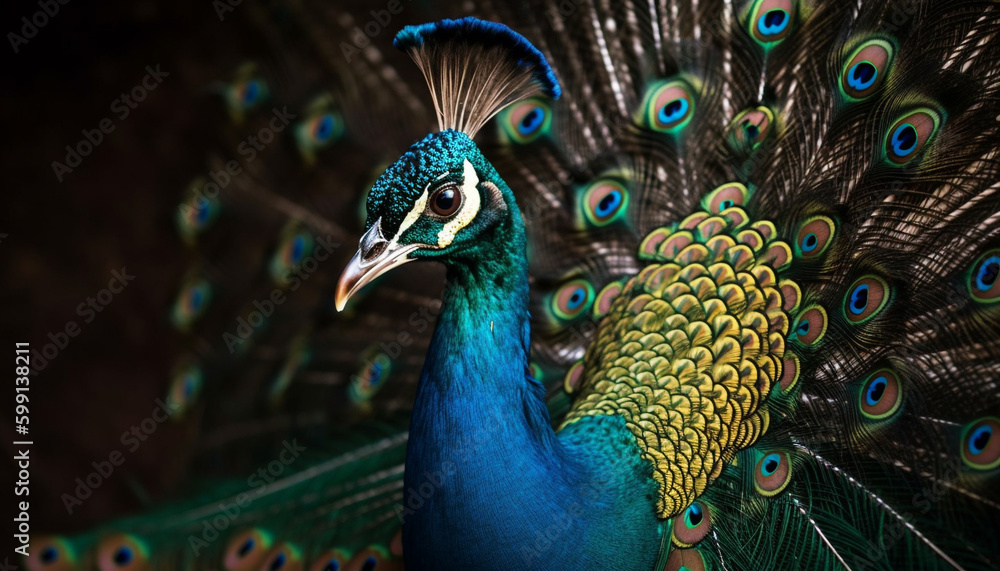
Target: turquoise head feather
442 193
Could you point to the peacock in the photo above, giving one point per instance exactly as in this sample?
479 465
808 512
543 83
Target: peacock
716 288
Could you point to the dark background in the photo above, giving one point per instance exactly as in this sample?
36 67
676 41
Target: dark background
115 210
64 239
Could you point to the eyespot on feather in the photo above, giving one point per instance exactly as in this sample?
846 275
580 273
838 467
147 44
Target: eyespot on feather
981 444
810 326
668 106
295 247
198 212
331 560
283 557
770 21
525 121
246 91
122 552
814 237
866 69
320 129
50 554
751 127
692 525
192 301
184 388
246 550
866 298
880 395
572 300
983 282
373 559
725 196
603 202
772 473
372 375
910 134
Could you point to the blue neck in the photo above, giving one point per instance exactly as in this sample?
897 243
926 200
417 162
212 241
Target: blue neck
489 484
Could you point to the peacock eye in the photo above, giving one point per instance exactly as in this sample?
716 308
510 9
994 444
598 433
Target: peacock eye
814 237
604 202
866 298
50 554
771 20
866 69
909 134
810 326
446 201
192 301
248 93
526 121
369 559
572 299
296 245
121 552
283 557
983 283
371 377
772 473
751 127
185 387
981 444
332 560
247 550
725 196
880 395
692 526
668 106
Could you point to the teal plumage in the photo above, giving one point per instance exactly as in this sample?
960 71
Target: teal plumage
721 285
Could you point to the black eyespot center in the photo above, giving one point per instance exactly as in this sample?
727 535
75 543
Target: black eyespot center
123 556
370 564
860 300
695 517
990 272
49 555
246 547
864 71
981 439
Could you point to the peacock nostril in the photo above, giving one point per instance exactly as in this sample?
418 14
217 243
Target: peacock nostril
374 251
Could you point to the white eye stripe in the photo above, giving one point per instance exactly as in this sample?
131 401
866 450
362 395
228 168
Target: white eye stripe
467 212
412 216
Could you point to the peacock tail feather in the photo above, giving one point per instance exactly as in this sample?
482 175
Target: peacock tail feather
763 250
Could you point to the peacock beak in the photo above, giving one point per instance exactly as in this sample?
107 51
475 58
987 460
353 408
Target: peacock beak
375 256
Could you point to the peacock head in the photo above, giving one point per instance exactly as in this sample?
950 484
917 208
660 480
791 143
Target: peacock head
436 202
442 196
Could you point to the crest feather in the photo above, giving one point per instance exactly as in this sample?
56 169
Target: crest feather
475 68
